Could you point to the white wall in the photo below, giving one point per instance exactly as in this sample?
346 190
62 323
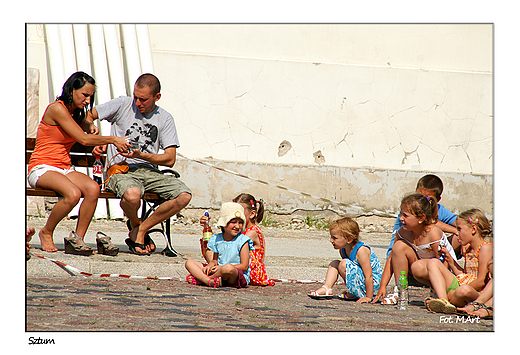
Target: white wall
383 96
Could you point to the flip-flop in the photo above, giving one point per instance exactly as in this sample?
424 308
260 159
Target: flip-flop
147 239
328 294
131 246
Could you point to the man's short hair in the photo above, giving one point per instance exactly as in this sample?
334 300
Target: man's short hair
151 81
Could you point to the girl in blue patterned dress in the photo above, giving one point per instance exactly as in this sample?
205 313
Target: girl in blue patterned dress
359 267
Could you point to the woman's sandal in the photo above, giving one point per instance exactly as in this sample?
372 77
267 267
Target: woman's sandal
132 245
439 305
105 246
215 283
75 245
317 296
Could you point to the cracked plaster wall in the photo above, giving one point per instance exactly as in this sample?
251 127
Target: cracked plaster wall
385 118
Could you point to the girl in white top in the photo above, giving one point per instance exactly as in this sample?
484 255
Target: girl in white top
417 242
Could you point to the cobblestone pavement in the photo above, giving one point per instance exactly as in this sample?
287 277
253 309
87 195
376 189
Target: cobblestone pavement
56 301
87 304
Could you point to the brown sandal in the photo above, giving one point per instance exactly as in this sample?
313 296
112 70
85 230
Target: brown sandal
105 246
75 245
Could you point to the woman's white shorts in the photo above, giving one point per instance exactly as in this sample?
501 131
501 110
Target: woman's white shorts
39 170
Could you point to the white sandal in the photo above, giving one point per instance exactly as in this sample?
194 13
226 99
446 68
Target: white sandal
316 296
392 298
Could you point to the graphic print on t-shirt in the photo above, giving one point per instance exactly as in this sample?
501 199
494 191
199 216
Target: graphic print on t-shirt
142 138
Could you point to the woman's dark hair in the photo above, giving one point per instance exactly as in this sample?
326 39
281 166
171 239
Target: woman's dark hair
74 82
252 204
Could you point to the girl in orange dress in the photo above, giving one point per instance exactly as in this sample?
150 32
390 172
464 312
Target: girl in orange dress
472 228
254 214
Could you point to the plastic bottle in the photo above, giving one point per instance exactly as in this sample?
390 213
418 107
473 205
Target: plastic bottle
402 303
442 256
97 170
206 234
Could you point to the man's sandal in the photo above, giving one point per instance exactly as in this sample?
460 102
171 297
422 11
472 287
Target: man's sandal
439 305
147 240
317 296
132 245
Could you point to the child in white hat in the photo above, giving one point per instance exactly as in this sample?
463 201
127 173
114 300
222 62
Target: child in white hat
230 264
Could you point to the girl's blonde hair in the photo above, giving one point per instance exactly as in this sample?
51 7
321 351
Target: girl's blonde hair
347 226
475 217
420 205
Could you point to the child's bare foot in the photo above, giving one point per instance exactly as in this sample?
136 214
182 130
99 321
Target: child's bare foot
47 242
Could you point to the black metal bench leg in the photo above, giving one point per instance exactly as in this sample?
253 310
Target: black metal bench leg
167 251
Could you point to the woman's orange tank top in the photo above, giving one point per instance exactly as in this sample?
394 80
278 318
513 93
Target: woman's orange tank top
52 147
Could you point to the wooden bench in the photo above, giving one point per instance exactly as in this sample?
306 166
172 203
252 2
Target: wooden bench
81 156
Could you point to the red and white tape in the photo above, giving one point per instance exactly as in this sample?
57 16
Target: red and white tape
75 271
304 281
71 270
263 182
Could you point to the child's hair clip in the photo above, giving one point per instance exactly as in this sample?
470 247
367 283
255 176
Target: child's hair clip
471 222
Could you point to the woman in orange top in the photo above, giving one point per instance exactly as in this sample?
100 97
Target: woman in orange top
63 124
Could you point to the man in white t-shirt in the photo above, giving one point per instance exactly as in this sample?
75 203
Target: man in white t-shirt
149 129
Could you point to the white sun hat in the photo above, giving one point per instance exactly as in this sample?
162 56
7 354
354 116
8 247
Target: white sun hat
230 210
